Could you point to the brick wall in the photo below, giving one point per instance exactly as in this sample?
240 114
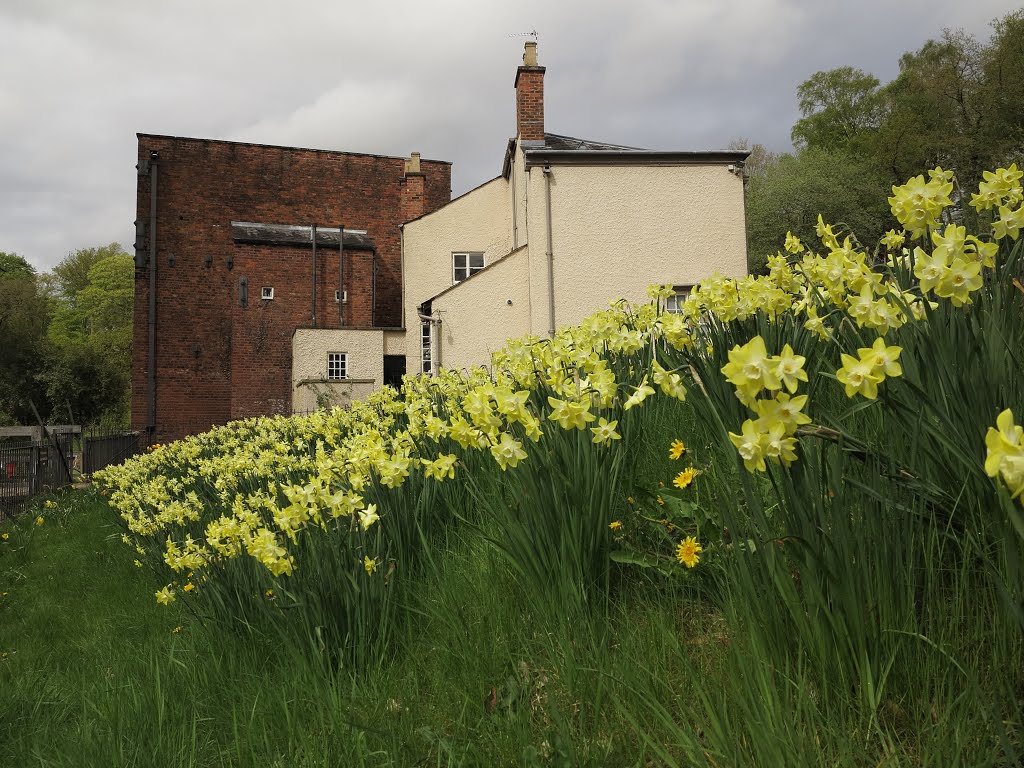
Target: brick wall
530 103
217 360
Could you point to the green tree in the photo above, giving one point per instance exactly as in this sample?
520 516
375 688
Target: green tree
24 314
72 274
840 109
795 188
90 337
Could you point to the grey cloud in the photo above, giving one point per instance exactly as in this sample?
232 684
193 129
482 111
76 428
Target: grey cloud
77 80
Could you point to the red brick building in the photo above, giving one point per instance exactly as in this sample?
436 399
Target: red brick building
225 236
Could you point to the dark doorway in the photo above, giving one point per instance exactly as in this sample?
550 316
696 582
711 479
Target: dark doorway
394 370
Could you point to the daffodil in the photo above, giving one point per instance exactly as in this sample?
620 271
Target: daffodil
368 516
570 414
165 596
859 376
605 432
370 565
750 444
507 451
640 393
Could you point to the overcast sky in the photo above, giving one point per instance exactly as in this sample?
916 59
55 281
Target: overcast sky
79 78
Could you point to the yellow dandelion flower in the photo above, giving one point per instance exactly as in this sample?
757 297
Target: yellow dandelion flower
676 450
615 525
684 478
661 501
688 552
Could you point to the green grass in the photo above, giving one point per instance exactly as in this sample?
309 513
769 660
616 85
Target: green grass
96 675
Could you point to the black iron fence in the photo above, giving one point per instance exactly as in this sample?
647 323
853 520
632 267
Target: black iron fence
30 466
99 451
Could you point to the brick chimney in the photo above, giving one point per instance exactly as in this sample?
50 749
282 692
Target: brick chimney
414 199
530 97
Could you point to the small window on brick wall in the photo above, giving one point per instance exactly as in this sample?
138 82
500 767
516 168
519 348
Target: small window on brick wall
337 366
266 293
465 264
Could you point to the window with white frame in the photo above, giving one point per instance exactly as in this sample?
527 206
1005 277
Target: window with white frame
465 264
425 347
337 366
674 303
267 292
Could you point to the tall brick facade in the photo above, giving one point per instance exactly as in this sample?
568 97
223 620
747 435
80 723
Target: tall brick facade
219 359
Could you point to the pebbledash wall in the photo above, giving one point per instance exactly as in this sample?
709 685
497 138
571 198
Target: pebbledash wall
215 359
570 225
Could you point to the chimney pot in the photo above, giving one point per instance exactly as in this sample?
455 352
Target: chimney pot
530 54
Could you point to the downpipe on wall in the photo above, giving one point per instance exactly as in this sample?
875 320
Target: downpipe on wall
550 254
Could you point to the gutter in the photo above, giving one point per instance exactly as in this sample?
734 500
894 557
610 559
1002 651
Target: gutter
545 157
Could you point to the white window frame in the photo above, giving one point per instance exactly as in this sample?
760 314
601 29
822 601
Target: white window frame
426 358
467 268
266 293
341 296
674 303
337 366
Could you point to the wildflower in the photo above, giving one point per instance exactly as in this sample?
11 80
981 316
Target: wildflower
50 503
630 500
176 630
5 536
370 565
688 552
40 520
368 516
188 587
615 525
661 501
137 563
269 594
677 449
165 596
684 478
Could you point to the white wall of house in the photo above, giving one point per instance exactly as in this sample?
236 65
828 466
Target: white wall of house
481 314
618 229
364 355
479 221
